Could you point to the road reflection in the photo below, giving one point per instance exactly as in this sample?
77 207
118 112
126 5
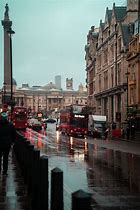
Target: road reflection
113 177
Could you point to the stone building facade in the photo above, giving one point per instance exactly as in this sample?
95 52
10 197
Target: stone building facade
46 99
133 58
107 64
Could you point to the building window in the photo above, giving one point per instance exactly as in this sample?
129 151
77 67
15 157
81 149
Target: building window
105 106
136 27
99 60
119 76
90 75
100 82
105 56
93 69
119 73
112 77
119 103
93 87
105 80
132 95
133 72
112 52
119 45
54 100
99 106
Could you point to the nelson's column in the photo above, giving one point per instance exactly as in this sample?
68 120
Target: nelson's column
8 80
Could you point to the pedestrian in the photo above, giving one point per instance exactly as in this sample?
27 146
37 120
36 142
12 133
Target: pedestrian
132 127
113 125
7 137
128 131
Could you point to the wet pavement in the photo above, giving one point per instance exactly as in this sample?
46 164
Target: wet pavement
95 174
109 169
13 193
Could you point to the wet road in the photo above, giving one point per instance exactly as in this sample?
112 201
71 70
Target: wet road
111 175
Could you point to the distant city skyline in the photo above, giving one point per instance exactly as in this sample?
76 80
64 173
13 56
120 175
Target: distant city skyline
50 37
58 81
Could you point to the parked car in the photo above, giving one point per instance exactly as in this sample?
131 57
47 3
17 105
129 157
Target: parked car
99 131
50 120
35 124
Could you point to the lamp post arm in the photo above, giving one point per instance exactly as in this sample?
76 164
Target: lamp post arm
10 32
11 68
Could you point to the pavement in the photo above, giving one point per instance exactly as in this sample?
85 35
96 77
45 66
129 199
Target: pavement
122 145
13 192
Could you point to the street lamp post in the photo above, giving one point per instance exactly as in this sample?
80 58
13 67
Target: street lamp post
127 102
46 105
4 92
11 32
38 103
72 98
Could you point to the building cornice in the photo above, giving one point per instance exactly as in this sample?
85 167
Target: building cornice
104 43
112 91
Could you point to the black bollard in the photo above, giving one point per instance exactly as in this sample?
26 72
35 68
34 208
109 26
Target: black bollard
22 154
44 184
23 157
26 158
81 200
30 165
35 179
57 189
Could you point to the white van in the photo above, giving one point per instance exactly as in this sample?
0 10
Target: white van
97 126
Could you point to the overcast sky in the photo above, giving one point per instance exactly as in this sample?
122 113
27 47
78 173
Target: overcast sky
49 39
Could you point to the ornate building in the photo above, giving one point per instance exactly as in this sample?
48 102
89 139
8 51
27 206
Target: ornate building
106 62
133 74
46 98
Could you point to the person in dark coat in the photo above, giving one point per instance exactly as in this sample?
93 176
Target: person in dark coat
7 138
132 127
128 131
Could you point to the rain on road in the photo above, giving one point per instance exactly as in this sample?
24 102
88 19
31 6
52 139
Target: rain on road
112 176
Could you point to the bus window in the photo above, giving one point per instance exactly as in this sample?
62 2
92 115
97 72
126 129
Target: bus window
20 117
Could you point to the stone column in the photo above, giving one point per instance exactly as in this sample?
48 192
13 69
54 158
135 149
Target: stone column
6 23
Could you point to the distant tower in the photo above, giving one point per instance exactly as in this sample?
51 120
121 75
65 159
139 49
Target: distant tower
69 84
6 23
58 81
132 10
81 88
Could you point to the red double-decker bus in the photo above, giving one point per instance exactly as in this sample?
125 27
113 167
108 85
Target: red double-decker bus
74 120
19 117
